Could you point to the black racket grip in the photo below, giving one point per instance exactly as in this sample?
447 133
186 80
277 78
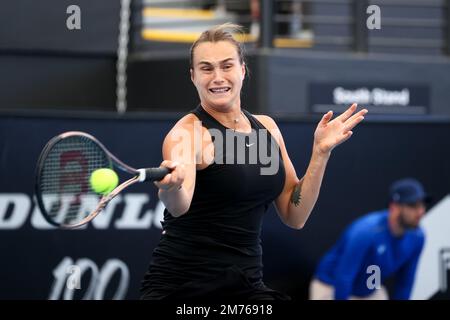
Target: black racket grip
154 174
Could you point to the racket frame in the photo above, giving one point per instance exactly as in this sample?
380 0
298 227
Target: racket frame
140 175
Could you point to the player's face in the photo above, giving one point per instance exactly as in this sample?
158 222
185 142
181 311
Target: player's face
411 214
218 74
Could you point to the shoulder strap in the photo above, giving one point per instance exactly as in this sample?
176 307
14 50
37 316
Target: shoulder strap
207 120
255 122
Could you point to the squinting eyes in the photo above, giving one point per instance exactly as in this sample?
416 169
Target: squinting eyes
227 67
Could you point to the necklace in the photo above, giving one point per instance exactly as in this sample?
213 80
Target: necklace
236 121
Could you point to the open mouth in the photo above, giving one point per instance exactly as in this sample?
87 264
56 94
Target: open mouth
219 90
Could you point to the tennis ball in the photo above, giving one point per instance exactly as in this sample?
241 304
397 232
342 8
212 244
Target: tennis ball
103 180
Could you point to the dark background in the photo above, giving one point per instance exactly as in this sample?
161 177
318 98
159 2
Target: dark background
54 80
356 181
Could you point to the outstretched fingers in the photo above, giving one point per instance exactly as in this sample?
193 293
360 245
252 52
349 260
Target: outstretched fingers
346 136
326 118
345 115
355 119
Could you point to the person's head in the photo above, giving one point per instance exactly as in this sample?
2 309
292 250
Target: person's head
218 67
407 202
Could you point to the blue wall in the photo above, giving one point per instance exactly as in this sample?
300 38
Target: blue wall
356 181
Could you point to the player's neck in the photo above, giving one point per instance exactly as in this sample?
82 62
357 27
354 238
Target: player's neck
395 226
224 114
232 118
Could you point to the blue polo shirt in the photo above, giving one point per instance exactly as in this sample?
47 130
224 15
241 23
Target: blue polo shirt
368 241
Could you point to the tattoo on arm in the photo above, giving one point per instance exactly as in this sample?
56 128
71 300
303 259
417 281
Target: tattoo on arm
295 197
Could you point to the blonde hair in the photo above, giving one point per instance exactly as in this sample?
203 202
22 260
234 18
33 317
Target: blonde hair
223 32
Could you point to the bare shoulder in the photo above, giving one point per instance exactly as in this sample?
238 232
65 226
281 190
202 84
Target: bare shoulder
185 130
186 123
267 121
270 125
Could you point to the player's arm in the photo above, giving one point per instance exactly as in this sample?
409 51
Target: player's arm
358 242
404 279
299 196
179 153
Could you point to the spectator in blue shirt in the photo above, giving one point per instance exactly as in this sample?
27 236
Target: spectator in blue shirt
374 247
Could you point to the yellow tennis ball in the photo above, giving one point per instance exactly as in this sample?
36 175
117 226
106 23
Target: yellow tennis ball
104 180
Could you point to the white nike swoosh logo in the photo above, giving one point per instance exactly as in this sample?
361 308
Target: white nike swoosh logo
249 145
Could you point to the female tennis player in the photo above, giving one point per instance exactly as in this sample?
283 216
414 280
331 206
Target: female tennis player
222 184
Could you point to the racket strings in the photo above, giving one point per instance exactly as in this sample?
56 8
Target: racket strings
64 182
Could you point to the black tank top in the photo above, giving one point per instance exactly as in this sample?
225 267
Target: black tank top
223 224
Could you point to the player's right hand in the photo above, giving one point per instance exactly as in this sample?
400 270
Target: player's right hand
173 180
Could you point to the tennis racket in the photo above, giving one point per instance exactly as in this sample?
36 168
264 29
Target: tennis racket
62 186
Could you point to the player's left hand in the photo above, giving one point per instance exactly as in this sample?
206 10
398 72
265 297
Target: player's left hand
330 134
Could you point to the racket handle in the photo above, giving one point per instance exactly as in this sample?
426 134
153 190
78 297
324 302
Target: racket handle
153 174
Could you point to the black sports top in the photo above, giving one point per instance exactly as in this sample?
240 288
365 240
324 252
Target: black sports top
222 226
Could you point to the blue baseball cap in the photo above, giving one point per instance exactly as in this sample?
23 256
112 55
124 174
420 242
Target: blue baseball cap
407 191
